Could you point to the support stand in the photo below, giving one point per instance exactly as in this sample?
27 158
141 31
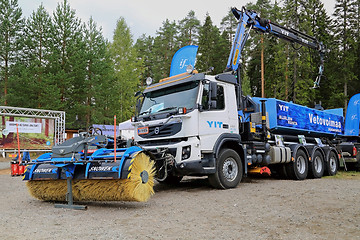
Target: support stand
69 198
342 155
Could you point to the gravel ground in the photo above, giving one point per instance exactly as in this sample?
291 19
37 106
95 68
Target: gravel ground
4 165
258 208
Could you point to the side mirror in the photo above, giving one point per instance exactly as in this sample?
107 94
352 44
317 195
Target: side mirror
213 91
212 95
212 104
138 105
138 93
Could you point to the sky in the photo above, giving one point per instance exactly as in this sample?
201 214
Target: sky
143 16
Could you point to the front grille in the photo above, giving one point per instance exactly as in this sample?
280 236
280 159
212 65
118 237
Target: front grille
162 142
163 130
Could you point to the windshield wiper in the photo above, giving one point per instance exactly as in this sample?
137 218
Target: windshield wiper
145 112
166 109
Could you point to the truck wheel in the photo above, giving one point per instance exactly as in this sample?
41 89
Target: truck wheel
298 169
332 164
317 166
229 170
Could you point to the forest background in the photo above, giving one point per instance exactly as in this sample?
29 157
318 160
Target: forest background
55 61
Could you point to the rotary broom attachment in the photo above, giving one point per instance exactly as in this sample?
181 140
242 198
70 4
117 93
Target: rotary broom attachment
69 175
138 186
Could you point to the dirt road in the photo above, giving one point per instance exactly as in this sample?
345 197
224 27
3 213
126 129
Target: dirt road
324 208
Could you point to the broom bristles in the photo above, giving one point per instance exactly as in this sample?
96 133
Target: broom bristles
131 189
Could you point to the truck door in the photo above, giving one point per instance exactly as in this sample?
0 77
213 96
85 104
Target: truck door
214 118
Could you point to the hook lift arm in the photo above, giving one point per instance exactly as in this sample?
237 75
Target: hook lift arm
251 20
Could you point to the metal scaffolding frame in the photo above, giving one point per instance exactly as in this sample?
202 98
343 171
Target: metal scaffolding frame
58 116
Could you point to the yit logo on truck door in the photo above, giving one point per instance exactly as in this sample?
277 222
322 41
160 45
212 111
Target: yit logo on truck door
215 124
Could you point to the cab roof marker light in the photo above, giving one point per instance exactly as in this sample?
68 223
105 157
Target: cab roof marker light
172 81
176 76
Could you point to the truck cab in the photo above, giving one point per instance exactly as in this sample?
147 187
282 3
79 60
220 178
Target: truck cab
185 122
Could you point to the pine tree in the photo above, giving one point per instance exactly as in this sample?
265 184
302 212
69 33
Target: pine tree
128 70
165 46
209 40
344 14
355 23
228 25
68 63
11 24
32 71
145 47
319 26
259 43
98 81
188 30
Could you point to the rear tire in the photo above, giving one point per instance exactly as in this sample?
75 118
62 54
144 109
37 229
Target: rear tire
332 164
298 169
317 165
229 170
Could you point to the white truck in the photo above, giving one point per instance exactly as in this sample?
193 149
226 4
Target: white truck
197 124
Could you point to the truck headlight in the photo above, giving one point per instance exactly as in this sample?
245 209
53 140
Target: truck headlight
186 152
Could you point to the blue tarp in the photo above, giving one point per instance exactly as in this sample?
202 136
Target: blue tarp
352 122
285 117
182 58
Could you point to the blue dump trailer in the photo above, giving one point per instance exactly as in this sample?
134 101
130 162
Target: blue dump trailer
289 118
284 131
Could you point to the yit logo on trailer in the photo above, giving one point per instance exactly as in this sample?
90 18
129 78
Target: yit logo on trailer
284 108
215 124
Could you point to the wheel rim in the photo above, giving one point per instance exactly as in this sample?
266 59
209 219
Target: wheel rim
230 169
300 164
332 162
318 164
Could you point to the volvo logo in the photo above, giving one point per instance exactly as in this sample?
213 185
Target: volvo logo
157 130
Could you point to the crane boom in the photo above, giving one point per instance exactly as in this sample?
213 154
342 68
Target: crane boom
249 19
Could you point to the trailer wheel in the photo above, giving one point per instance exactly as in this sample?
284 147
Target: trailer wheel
317 166
332 164
298 169
229 170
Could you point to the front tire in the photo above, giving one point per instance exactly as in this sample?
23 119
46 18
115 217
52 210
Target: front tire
229 170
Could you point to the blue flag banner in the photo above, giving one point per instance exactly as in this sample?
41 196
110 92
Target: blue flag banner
182 58
352 120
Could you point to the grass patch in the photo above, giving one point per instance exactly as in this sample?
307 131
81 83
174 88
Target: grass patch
353 175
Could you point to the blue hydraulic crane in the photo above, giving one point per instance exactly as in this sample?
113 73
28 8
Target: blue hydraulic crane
249 19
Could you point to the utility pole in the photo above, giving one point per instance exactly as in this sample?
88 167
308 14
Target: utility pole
262 68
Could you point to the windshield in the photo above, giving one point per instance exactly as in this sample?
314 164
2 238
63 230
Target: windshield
170 98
